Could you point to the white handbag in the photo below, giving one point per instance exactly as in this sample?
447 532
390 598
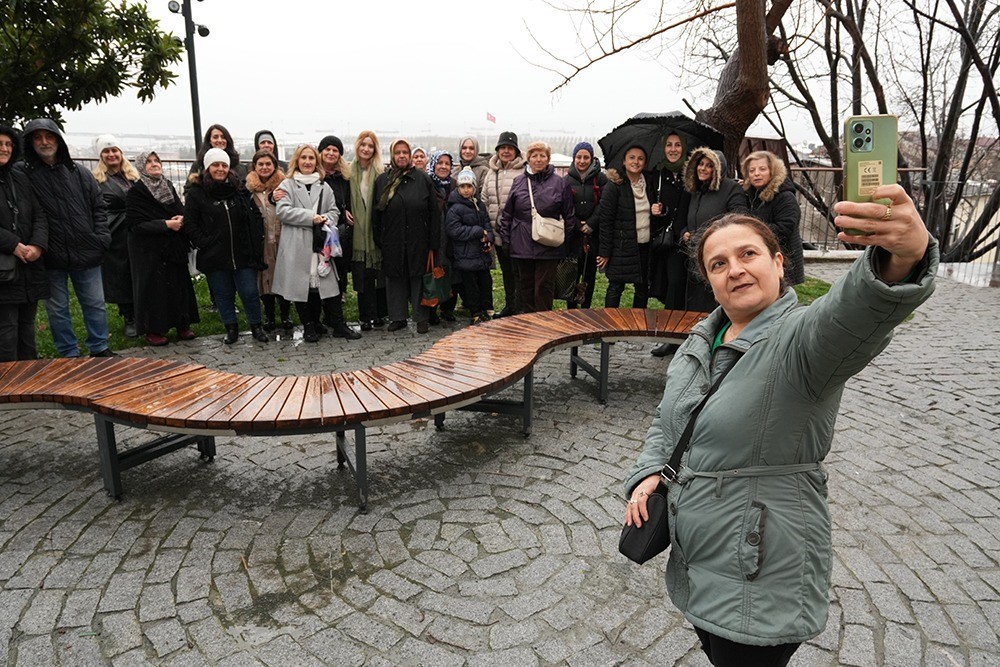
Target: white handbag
547 231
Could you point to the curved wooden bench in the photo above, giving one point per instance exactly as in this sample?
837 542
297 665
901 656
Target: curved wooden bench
194 403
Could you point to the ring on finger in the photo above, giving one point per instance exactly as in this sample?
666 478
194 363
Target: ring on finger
633 502
888 212
643 493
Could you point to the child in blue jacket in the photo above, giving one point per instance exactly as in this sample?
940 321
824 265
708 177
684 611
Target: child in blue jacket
471 234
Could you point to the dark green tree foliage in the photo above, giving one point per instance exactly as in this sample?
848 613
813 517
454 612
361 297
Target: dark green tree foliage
63 54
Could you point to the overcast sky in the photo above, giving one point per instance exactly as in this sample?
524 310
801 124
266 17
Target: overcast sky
306 68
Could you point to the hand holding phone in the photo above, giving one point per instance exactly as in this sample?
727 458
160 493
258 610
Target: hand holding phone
870 150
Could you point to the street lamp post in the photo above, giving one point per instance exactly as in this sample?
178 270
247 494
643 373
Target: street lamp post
189 29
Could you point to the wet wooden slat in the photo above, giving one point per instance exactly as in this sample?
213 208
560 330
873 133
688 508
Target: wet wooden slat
179 415
242 412
373 406
464 386
172 407
350 404
430 390
398 400
264 421
23 372
216 413
291 411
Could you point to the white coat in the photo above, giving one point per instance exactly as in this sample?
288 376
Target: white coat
295 254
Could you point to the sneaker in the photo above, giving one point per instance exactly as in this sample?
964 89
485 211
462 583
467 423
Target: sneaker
106 352
366 326
396 325
186 334
156 340
130 330
423 327
484 317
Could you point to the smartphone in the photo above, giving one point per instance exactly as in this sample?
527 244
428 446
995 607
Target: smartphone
870 150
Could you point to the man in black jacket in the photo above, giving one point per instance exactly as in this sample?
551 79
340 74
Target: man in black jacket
78 237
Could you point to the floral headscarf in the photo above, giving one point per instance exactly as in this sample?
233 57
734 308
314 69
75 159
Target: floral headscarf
432 163
158 187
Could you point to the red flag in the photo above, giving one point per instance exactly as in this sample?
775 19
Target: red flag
490 117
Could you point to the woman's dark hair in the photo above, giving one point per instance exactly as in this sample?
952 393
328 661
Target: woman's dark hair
263 154
765 233
234 156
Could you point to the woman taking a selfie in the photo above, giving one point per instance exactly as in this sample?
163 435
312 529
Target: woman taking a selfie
751 548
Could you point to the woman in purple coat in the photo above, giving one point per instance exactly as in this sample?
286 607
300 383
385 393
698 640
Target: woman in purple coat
553 198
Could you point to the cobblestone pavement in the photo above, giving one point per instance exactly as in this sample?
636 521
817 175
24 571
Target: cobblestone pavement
483 547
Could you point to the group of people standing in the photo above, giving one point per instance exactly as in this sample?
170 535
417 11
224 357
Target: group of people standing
279 233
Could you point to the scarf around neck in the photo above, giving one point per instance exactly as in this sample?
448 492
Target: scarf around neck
396 175
254 184
306 179
365 250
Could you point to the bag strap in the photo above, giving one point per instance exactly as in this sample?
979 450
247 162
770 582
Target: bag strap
669 470
530 195
430 261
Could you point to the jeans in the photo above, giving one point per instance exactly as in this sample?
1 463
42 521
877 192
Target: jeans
89 289
225 285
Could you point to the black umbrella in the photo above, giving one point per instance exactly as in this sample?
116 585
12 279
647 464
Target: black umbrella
649 130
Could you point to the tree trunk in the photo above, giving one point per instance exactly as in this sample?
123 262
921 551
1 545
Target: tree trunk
744 87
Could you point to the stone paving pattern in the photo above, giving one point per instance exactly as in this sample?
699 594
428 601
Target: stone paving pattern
482 547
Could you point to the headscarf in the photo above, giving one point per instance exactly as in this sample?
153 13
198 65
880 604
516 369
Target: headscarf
158 187
475 146
432 163
396 175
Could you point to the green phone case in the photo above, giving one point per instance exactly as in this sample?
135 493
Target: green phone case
870 149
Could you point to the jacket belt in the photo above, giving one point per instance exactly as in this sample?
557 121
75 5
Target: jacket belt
687 474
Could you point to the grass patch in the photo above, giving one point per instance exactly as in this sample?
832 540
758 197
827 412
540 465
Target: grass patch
211 325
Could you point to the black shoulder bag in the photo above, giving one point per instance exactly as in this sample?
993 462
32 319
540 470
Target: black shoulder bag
641 544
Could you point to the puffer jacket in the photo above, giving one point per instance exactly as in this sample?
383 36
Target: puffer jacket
496 187
72 201
224 224
750 528
465 223
618 240
587 189
553 199
722 194
776 205
27 225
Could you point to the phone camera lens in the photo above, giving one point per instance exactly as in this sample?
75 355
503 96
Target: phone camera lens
868 140
859 143
858 128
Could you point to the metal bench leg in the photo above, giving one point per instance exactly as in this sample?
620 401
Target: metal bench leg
361 466
341 443
529 393
573 352
206 448
439 421
110 465
605 359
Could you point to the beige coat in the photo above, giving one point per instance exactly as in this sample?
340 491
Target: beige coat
496 187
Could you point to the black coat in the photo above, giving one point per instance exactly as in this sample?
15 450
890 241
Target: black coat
587 191
668 271
225 226
31 283
618 239
115 270
164 296
465 223
782 214
342 191
409 226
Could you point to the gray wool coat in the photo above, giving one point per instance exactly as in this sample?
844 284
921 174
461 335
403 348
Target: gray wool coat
295 253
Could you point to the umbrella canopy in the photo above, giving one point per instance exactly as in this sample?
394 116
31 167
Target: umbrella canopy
650 130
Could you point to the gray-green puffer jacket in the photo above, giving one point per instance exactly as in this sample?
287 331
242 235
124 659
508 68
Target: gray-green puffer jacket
750 556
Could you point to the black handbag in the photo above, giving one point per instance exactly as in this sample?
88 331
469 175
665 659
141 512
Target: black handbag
641 544
664 240
566 273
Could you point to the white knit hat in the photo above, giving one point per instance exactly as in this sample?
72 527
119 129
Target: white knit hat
467 177
213 155
105 141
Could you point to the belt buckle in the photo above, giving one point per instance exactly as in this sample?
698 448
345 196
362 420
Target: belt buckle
671 477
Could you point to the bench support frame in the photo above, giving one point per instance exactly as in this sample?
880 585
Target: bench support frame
114 462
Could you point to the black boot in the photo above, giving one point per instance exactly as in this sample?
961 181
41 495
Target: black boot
310 335
268 301
664 350
232 334
257 331
341 330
